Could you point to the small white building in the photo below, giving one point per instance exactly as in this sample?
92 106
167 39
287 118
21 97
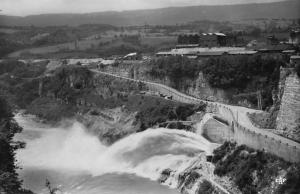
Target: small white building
131 56
107 62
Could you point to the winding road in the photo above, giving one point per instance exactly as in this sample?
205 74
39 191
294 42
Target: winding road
238 113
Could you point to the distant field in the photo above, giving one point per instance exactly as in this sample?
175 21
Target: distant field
158 40
111 41
8 30
82 45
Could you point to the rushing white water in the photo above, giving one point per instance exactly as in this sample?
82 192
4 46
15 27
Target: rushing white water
81 159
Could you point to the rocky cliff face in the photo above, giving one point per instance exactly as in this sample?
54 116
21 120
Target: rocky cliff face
110 107
201 88
288 119
191 179
110 125
198 87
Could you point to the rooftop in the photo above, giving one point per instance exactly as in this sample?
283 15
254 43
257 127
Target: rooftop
204 51
131 55
295 57
216 33
245 52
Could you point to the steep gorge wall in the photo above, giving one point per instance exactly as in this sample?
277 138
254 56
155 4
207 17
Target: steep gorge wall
253 138
199 87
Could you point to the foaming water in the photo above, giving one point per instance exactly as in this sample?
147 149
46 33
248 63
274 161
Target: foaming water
82 164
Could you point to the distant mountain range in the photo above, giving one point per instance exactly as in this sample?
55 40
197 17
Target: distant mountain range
163 16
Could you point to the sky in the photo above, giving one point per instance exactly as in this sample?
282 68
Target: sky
30 7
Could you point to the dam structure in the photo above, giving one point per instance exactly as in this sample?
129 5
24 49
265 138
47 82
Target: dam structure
240 129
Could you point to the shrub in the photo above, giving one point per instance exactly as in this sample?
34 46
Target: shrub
224 149
9 181
205 188
291 185
251 170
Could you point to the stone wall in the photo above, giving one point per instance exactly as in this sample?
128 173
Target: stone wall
216 131
219 133
258 141
289 112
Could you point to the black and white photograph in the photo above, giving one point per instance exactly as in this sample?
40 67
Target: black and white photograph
149 96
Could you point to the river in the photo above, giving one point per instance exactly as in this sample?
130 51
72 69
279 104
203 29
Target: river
75 161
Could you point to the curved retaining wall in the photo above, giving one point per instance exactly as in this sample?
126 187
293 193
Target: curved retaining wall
256 140
216 131
241 135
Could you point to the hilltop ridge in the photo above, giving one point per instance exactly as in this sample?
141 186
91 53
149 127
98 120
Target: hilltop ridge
171 15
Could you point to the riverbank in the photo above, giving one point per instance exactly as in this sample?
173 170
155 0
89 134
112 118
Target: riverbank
10 183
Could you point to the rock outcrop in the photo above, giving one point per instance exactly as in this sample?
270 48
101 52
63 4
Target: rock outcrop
288 119
194 177
198 87
110 125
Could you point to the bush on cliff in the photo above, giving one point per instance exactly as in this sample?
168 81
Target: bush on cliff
251 170
206 188
221 151
291 185
9 181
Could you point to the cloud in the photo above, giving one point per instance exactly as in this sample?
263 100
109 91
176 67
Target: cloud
27 7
